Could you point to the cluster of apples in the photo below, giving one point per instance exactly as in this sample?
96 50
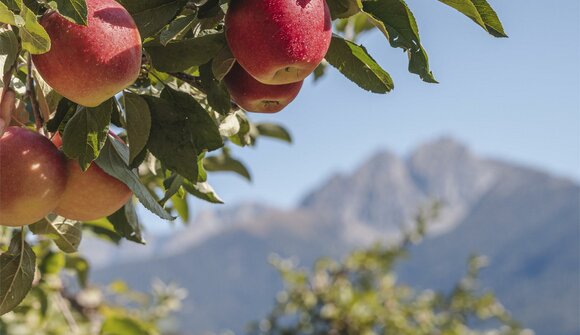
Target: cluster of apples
277 44
88 65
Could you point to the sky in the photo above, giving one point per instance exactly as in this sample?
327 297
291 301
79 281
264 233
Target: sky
516 99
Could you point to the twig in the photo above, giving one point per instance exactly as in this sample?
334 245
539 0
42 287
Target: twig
70 320
31 92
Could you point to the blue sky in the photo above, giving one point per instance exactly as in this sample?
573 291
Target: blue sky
516 99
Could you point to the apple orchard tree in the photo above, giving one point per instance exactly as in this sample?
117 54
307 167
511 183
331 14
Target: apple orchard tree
174 80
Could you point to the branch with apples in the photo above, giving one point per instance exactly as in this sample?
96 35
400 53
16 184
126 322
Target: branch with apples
107 103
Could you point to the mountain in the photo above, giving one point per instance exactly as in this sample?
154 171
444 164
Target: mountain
525 221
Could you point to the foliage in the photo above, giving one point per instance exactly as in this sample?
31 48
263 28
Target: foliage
177 118
361 295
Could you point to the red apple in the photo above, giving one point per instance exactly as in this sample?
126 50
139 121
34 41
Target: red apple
91 194
254 96
33 177
89 64
278 41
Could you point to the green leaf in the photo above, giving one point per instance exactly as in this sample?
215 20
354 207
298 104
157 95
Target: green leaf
481 13
34 38
176 28
114 163
225 162
218 96
8 17
181 129
52 263
8 49
180 55
123 325
356 64
80 266
86 132
126 223
172 186
203 191
67 234
138 124
103 229
340 9
74 10
222 63
246 134
152 15
397 20
17 266
274 131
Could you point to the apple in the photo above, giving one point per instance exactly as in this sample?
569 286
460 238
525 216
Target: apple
33 177
90 194
89 64
278 41
254 96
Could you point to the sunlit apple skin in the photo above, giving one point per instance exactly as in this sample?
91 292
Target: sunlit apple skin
33 177
89 64
254 96
92 194
278 41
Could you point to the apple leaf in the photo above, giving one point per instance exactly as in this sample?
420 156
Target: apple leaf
33 36
176 28
86 133
17 266
480 12
396 19
123 325
73 10
274 131
67 234
103 229
356 64
218 96
152 15
126 223
114 163
138 124
222 63
225 162
340 9
203 191
180 55
8 49
8 17
79 265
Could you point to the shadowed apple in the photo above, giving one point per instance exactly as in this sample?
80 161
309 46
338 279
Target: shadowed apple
254 96
91 194
278 41
33 177
89 64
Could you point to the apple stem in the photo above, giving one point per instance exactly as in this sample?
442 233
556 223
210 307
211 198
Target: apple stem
31 92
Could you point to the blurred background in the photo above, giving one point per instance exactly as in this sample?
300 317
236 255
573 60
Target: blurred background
497 142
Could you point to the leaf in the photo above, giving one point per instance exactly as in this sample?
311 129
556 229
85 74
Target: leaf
103 229
74 10
203 191
181 129
123 325
86 132
172 186
64 112
340 9
8 17
126 223
34 38
481 13
52 263
180 55
152 15
114 163
138 124
222 63
80 266
176 28
356 64
17 266
274 131
218 96
8 49
225 162
396 19
66 234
